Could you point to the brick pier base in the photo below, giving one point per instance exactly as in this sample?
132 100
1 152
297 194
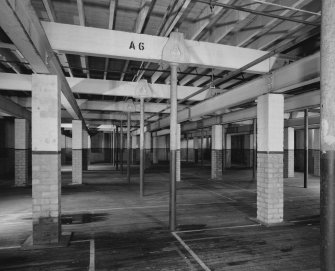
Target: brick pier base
46 176
178 171
316 157
270 187
216 164
77 166
288 163
21 167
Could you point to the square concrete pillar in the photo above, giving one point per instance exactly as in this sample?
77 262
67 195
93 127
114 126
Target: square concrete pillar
22 154
77 152
178 158
147 149
217 152
196 149
155 149
289 152
134 149
85 159
316 152
228 151
270 138
46 160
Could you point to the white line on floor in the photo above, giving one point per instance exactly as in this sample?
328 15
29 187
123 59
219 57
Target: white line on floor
80 241
92 256
205 189
195 256
221 228
13 247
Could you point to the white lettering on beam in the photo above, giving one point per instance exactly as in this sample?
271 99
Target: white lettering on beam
82 40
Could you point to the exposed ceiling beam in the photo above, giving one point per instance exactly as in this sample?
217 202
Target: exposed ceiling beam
20 22
299 71
52 17
112 11
110 43
83 58
141 17
9 107
22 82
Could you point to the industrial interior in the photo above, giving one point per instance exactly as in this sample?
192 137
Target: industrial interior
167 135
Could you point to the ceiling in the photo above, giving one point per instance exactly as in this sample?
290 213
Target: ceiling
255 24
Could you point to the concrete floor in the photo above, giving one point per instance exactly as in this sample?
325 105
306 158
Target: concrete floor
113 229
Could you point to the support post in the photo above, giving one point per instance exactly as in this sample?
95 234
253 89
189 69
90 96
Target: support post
187 147
77 152
196 149
121 146
254 160
202 147
85 149
327 191
22 146
117 148
270 132
46 160
141 146
155 149
306 149
289 152
173 147
178 158
217 155
128 146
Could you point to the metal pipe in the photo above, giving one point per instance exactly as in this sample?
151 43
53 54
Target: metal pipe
306 150
287 7
254 168
128 146
173 147
121 146
141 146
117 148
186 147
268 14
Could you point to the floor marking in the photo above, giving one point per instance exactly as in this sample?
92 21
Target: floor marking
92 256
220 228
13 247
205 189
80 241
195 257
186 259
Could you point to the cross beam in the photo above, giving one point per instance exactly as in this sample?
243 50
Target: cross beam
74 39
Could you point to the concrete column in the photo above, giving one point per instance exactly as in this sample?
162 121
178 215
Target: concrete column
196 149
46 160
270 138
155 149
316 152
22 145
147 149
289 152
142 155
228 151
85 150
327 142
178 158
134 147
77 152
217 152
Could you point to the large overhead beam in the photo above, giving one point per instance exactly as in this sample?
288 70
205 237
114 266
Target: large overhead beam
122 106
294 103
7 106
75 39
21 82
305 69
20 22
